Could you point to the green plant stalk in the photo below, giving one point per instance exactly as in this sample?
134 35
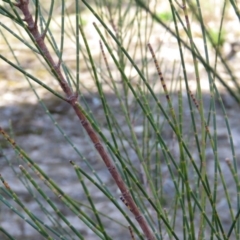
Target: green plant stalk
105 190
143 38
237 229
35 50
145 82
180 120
236 8
40 229
108 113
6 233
212 89
158 200
58 192
199 57
69 202
185 77
113 171
107 109
214 114
236 219
106 158
211 200
48 22
33 78
217 167
208 34
74 148
232 149
179 137
183 162
206 186
62 32
212 106
52 120
78 169
56 124
153 186
121 55
78 20
68 140
95 212
26 184
127 120
19 38
129 172
54 207
4 201
203 133
72 99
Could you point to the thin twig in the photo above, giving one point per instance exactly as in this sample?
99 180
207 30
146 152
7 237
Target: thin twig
71 97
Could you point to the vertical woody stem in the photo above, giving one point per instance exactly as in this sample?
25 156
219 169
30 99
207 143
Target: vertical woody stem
72 99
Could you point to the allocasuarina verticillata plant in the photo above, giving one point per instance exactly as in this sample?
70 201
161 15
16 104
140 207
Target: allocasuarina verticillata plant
72 98
161 147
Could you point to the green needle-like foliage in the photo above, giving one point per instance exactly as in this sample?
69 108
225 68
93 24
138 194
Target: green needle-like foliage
144 81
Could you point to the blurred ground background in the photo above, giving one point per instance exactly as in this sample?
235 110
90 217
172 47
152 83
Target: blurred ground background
36 134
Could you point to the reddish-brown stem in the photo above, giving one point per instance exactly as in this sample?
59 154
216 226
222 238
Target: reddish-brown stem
72 99
39 41
113 171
